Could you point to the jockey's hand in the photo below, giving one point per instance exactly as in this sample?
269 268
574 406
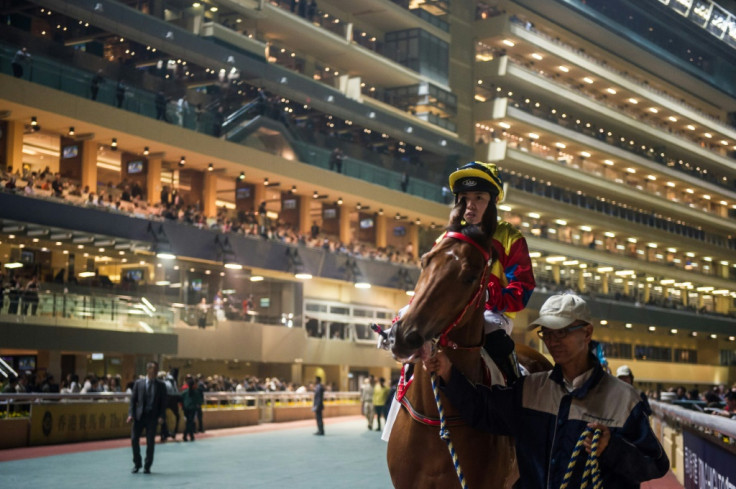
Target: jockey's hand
439 364
602 441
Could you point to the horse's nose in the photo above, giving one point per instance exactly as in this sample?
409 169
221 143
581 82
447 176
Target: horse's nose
413 340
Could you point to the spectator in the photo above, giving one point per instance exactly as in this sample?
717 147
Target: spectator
366 398
182 108
311 10
21 58
94 86
624 373
160 103
318 405
192 400
120 90
380 395
404 181
336 158
58 186
30 296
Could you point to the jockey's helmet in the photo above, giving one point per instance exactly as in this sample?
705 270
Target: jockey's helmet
477 176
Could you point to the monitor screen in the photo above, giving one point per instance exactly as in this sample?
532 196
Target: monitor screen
197 284
366 223
329 213
135 166
290 204
399 231
27 362
242 193
27 256
135 274
69 151
264 301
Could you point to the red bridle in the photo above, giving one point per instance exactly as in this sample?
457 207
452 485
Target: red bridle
442 339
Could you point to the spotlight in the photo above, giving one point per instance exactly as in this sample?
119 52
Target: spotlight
315 195
71 131
265 181
34 121
241 177
145 151
182 161
210 167
339 201
418 221
114 144
380 212
293 189
358 206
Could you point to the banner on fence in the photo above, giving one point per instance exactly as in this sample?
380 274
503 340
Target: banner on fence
68 422
707 466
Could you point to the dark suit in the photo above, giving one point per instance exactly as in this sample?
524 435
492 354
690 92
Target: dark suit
146 407
319 394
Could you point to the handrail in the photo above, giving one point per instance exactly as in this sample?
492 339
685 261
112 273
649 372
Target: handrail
695 420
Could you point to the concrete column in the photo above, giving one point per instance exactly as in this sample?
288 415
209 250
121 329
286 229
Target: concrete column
342 383
305 216
259 195
556 274
14 149
297 374
581 280
627 289
701 300
153 179
89 165
54 364
683 296
346 235
128 369
209 194
647 292
381 239
604 283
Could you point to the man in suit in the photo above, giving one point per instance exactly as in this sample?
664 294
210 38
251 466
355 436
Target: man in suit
319 394
147 409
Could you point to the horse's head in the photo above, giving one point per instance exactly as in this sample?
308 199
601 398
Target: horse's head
450 289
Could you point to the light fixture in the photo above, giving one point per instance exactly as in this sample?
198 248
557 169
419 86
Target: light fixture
241 177
145 151
380 212
339 201
182 161
210 167
315 195
34 121
14 264
114 144
265 181
293 189
71 131
358 206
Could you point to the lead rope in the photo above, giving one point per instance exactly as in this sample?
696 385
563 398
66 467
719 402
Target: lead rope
592 470
445 434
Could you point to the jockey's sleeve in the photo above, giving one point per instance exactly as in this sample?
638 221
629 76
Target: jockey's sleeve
516 268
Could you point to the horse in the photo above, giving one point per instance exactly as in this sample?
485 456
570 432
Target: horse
447 310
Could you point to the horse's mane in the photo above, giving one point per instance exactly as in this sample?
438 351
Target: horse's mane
471 231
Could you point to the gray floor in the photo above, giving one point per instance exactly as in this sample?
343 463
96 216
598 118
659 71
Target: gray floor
348 457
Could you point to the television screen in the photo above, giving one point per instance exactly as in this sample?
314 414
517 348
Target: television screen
27 256
197 284
329 213
242 193
399 231
264 302
135 274
27 362
70 151
135 166
366 223
290 204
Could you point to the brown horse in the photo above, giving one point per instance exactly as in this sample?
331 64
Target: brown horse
447 310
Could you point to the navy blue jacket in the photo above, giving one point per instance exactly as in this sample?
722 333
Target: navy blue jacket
546 421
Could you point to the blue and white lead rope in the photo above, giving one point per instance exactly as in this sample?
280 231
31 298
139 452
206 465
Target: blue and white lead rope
445 434
591 471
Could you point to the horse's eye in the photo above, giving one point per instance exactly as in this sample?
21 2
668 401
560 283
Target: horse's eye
469 277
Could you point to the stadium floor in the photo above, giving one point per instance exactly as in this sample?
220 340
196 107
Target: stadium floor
264 456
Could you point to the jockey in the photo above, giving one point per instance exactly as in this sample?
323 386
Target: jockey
477 188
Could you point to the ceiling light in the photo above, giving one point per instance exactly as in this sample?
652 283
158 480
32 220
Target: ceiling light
182 161
145 151
653 110
588 80
71 131
708 135
533 215
537 56
561 145
508 43
633 101
533 135
611 91
672 118
210 167
504 125
608 162
241 177
114 144
564 69
691 127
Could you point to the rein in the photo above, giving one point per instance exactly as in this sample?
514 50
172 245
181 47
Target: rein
592 470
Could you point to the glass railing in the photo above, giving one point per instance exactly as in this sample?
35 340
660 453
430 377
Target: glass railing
107 312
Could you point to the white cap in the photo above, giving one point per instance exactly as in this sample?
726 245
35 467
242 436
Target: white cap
560 311
623 371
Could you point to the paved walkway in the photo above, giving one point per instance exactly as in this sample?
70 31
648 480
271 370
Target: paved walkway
284 455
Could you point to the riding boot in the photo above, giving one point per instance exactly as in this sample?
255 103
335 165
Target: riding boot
500 348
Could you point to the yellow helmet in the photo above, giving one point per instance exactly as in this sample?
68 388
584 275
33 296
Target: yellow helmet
477 176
